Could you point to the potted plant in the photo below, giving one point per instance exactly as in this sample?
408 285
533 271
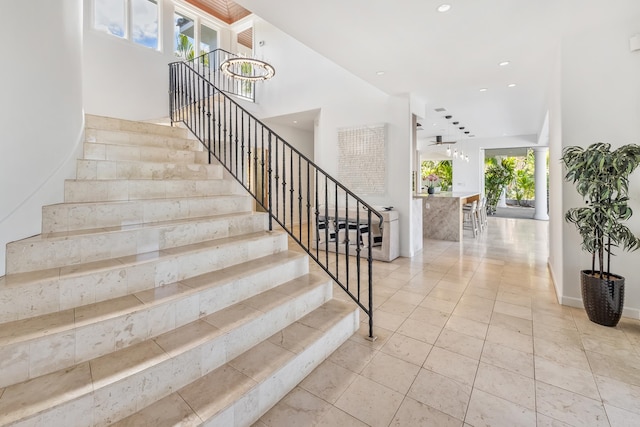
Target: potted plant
432 178
601 177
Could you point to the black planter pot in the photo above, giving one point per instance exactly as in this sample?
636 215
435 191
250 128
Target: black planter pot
603 299
431 190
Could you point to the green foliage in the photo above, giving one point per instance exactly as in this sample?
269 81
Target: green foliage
601 177
185 48
525 185
496 178
443 169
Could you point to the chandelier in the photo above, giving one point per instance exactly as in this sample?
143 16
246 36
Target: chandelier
247 69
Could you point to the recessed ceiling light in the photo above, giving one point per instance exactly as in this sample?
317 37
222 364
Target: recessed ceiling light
295 122
484 89
444 8
380 73
504 63
511 85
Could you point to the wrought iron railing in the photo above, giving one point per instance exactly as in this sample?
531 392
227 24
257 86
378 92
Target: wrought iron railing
208 66
336 228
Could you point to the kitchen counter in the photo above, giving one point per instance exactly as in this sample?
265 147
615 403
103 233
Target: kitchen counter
442 214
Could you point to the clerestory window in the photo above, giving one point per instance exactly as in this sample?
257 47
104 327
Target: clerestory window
135 20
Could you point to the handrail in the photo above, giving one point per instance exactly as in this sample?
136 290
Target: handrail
333 226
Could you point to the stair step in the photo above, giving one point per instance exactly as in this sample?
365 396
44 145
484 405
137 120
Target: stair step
42 252
83 216
241 391
40 292
102 151
122 189
85 332
113 124
123 382
121 137
129 169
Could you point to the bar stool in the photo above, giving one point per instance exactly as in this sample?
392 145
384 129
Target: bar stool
470 217
482 213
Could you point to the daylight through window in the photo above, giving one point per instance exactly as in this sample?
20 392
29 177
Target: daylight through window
136 20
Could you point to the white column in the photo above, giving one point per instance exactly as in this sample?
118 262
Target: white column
540 154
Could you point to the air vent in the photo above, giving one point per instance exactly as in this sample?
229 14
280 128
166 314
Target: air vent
440 110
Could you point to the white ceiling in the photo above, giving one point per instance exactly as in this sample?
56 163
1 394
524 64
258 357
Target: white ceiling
445 59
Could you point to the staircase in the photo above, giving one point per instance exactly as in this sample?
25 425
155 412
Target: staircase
156 296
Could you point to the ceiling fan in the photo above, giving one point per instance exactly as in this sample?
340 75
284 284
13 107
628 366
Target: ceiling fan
439 141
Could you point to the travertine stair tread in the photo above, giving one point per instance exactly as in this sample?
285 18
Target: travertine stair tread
64 235
19 279
157 169
53 323
30 397
119 137
128 212
208 396
89 147
113 124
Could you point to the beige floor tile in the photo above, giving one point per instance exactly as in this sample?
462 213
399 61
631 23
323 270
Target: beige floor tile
467 327
619 394
460 343
625 369
421 331
407 349
488 410
438 304
352 356
452 365
545 421
513 310
430 316
299 405
510 338
569 407
391 372
370 402
620 418
328 381
508 358
415 414
512 323
508 385
566 377
441 393
565 354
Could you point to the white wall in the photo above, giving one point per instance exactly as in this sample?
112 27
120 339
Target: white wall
556 178
601 102
305 81
125 80
40 111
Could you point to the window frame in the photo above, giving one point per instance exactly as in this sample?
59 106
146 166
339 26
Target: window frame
128 25
198 21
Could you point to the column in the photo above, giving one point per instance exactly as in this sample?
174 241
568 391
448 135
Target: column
540 154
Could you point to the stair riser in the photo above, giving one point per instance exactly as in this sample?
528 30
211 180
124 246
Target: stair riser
97 151
108 169
40 254
116 280
72 217
138 138
112 402
264 395
20 361
112 124
120 190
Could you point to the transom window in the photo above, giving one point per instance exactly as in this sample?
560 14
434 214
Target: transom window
135 20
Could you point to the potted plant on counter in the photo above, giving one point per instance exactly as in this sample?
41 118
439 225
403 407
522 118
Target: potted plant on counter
432 178
601 177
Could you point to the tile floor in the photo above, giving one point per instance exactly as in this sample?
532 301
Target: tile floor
471 334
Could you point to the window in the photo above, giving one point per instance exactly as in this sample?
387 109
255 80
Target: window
208 39
135 20
192 36
144 22
109 16
184 36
